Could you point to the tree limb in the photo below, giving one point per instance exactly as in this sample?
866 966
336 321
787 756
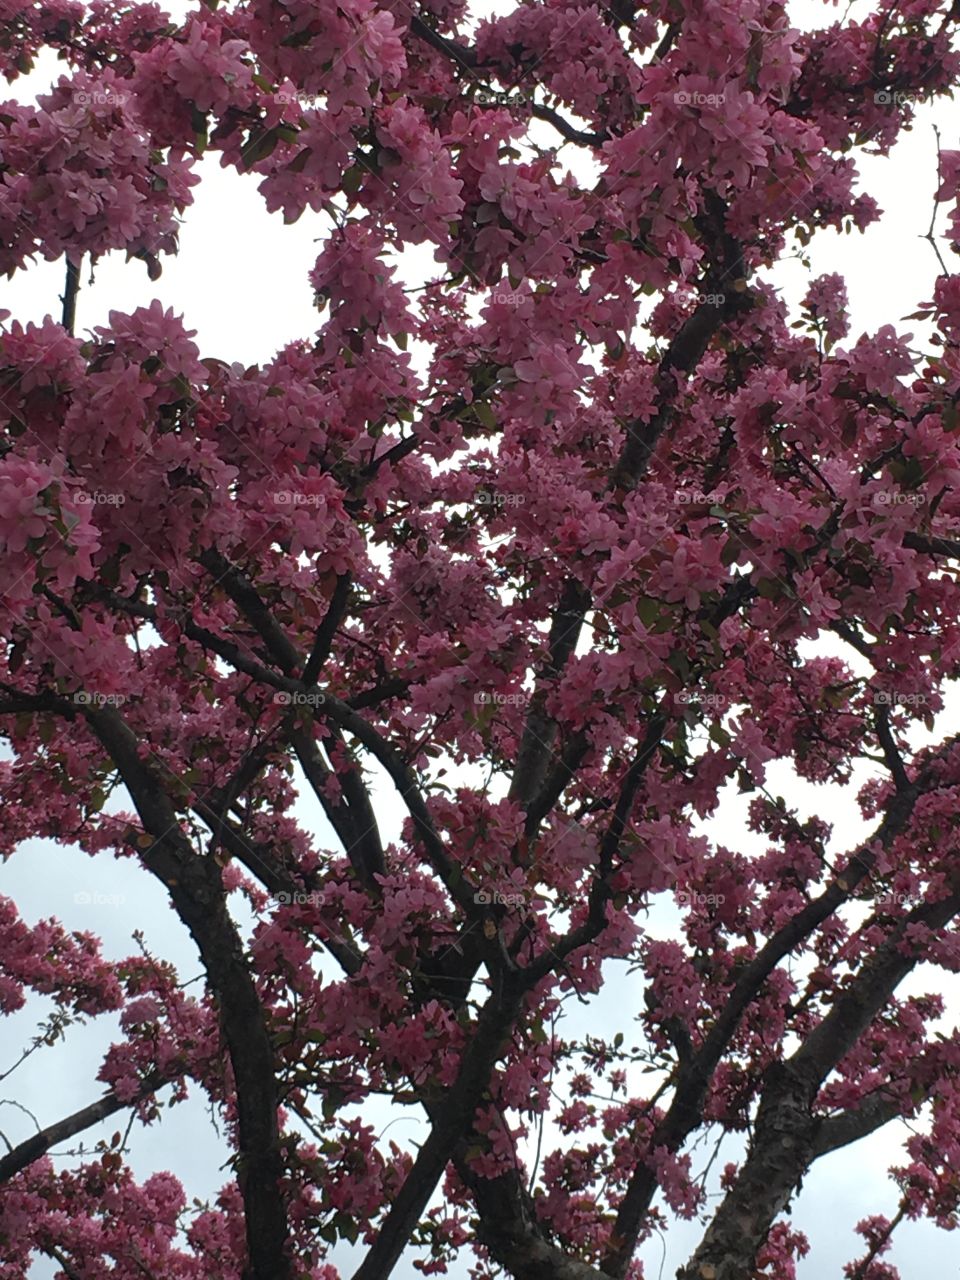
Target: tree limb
197 893
40 1143
786 1132
71 289
451 1116
694 1077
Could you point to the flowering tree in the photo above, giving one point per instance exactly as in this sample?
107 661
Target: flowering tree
541 544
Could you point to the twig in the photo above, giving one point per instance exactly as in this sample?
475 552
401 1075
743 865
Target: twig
69 296
930 237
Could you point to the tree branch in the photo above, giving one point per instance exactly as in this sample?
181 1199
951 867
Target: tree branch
458 53
69 297
353 820
694 1078
328 628
596 919
451 1117
260 861
583 137
933 545
197 892
725 282
540 729
33 1148
786 1132
466 59
680 359
834 1132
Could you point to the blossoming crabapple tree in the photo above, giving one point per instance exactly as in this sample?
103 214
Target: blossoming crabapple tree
568 550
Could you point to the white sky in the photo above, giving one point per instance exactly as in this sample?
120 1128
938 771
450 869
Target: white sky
241 280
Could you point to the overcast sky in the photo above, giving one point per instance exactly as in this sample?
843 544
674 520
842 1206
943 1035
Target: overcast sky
241 281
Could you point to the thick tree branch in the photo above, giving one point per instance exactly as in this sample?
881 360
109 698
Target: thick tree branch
727 297
556 781
786 1133
933 545
328 629
694 1077
261 861
451 1116
62 1261
583 137
600 892
840 1130
509 1229
352 818
198 896
71 289
540 730
251 605
40 1143
326 705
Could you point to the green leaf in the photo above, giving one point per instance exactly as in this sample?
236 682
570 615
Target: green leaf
258 147
730 552
347 1227
296 40
332 1101
648 610
484 414
299 161
678 662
